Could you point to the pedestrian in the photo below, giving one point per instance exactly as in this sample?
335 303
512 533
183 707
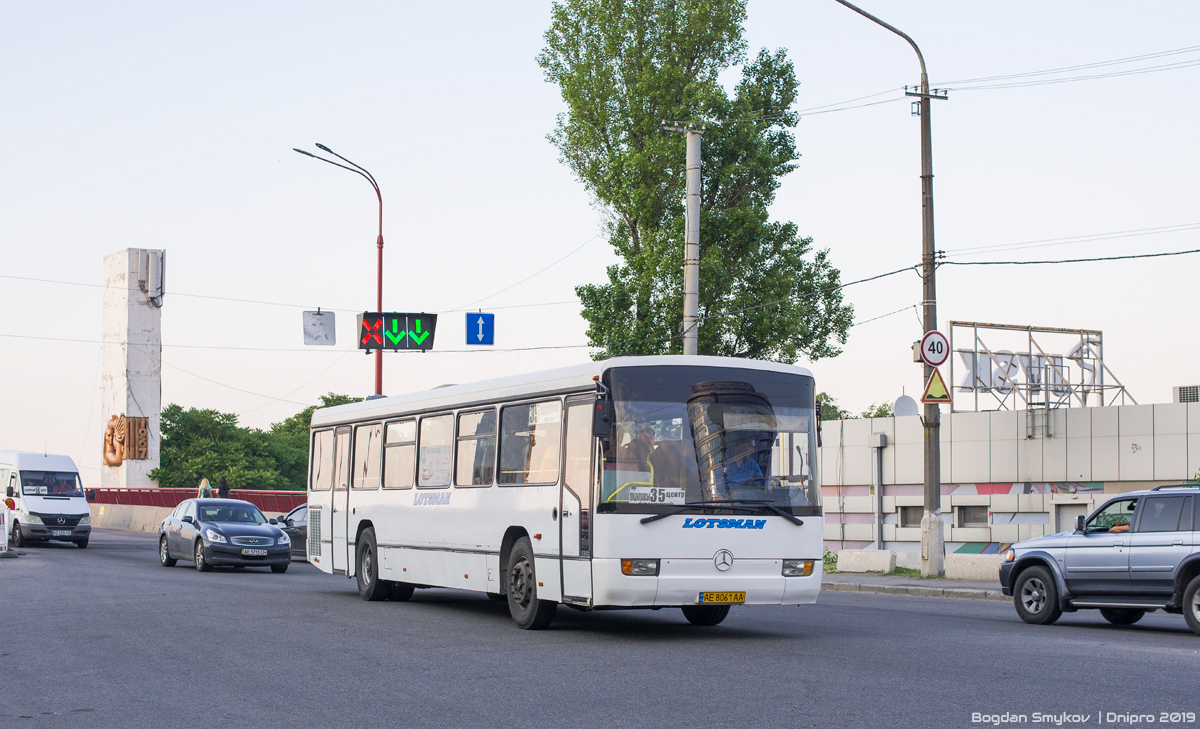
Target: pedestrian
222 489
205 490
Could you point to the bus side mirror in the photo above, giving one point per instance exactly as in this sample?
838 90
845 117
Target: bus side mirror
602 418
9 493
1079 523
819 444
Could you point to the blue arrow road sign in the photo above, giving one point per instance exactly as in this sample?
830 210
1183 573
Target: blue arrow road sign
481 329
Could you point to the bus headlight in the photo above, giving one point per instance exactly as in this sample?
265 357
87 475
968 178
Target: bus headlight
639 567
797 567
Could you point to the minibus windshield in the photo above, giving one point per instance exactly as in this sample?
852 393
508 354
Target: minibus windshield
50 483
709 435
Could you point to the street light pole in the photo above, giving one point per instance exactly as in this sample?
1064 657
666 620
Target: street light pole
361 171
932 542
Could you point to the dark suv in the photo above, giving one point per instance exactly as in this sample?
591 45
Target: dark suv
1137 553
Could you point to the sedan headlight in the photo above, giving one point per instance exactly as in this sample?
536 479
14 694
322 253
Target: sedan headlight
797 567
215 537
1008 555
87 519
283 539
34 519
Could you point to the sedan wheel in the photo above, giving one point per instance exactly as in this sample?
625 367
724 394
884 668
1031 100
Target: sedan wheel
164 554
201 564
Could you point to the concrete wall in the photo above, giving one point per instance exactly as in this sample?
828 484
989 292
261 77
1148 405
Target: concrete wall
1030 486
131 368
129 518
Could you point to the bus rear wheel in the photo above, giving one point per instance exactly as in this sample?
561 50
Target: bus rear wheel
528 612
370 587
705 614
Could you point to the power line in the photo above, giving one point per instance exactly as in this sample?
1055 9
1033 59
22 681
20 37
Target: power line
1068 260
1070 79
883 316
467 307
1047 242
1080 67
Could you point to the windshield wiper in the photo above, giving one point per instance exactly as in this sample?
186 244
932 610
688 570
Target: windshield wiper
737 503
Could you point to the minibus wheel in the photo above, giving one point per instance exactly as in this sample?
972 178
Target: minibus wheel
82 543
705 614
18 537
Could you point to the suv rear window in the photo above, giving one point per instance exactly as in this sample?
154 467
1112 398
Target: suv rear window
1162 514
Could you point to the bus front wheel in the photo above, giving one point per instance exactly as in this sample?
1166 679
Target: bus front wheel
526 609
705 614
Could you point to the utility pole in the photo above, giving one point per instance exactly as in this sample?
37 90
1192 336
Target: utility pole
691 247
932 540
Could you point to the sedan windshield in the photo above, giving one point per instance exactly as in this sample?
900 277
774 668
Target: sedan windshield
50 483
231 514
710 435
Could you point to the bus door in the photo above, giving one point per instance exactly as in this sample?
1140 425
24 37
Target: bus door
341 490
575 503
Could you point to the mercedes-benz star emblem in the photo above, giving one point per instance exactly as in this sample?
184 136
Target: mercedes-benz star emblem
61 520
723 560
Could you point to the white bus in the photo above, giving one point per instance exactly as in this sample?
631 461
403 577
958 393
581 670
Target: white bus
635 482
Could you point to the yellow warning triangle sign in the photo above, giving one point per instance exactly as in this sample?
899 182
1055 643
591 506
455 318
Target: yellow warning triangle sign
935 389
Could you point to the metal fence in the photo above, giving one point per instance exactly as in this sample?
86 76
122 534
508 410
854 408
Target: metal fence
268 501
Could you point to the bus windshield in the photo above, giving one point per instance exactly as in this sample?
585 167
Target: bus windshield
711 435
50 483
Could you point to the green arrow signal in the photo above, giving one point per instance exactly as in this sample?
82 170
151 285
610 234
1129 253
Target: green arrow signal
396 335
419 337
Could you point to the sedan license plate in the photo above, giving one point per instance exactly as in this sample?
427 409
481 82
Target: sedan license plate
254 553
727 598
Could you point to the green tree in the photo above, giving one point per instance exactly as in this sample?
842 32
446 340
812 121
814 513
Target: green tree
625 66
880 410
199 443
830 410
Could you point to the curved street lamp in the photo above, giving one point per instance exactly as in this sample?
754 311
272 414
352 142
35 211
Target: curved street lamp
361 171
931 524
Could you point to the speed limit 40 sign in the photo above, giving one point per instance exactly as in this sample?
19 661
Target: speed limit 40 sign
935 350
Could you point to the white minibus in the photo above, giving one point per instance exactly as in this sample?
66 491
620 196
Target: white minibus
44 499
633 482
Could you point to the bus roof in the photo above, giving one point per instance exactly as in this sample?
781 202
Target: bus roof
577 377
30 461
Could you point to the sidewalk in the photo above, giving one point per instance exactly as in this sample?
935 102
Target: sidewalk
895 585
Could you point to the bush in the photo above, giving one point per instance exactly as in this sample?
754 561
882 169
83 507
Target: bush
830 561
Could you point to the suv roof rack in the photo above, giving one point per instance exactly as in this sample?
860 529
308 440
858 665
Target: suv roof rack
1193 485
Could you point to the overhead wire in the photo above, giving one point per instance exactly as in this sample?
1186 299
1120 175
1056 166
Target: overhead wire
1048 242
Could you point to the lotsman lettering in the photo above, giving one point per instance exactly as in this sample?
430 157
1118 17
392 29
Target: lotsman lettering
687 523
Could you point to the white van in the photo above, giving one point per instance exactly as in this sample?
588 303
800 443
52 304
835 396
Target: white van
44 498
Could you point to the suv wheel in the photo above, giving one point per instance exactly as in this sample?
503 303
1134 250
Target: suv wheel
1191 605
1122 616
1036 597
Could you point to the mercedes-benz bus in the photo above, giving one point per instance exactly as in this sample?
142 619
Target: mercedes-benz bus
632 482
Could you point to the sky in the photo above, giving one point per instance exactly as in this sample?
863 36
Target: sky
171 126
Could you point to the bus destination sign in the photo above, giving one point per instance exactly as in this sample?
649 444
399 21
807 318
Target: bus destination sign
391 330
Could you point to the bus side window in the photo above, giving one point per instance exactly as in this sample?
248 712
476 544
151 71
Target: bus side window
437 443
399 455
367 456
577 474
321 477
530 436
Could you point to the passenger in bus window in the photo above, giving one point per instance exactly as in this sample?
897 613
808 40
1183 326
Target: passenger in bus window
638 450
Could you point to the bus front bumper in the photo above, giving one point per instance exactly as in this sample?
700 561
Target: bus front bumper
682 581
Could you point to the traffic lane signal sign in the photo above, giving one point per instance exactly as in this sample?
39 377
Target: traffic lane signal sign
481 329
396 331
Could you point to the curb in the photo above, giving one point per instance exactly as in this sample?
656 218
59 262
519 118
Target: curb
961 593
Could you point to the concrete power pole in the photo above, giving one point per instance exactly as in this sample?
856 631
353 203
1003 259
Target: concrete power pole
691 247
932 540
691 250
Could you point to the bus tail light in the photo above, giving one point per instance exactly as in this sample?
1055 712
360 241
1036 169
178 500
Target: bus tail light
797 567
639 567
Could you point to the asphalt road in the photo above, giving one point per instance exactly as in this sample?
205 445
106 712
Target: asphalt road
105 637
